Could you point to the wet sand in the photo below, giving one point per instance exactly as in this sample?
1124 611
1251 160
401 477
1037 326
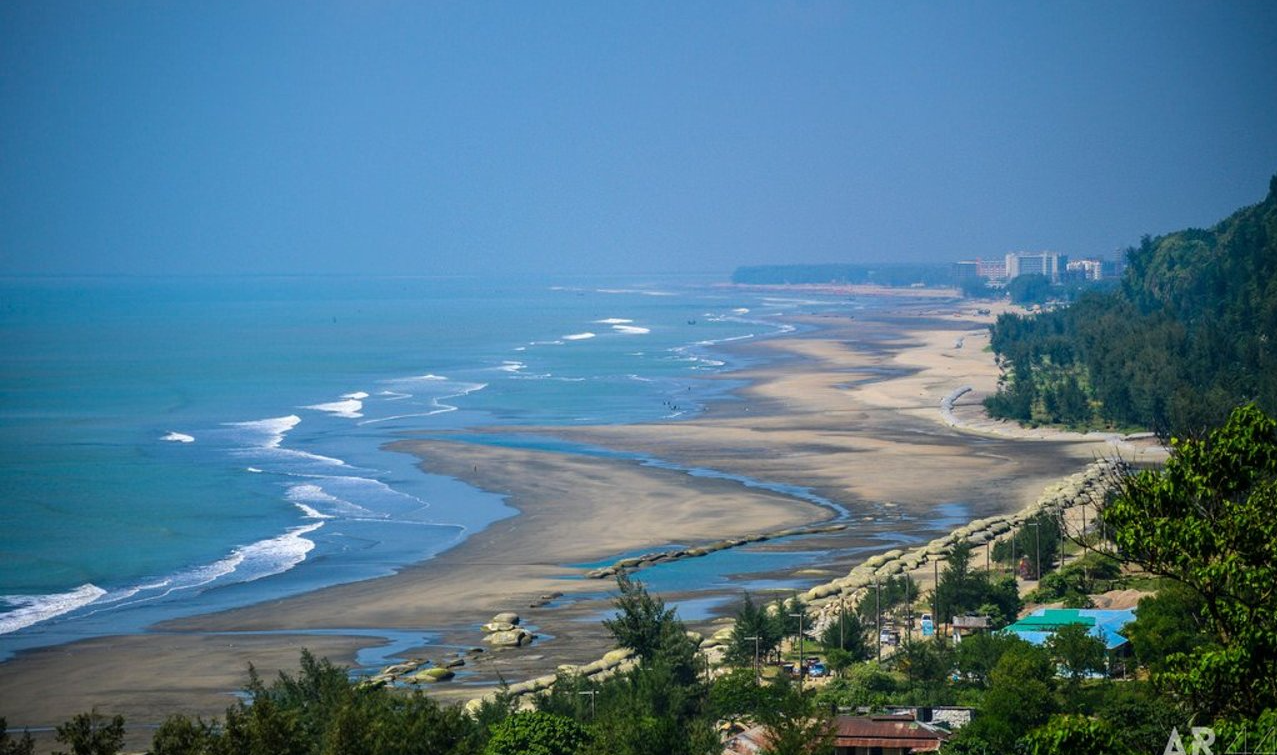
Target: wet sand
849 410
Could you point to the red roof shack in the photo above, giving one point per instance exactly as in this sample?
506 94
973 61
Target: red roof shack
885 735
858 735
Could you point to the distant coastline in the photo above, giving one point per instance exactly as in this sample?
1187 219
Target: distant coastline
855 289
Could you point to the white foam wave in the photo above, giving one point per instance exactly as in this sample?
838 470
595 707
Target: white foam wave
614 321
357 395
545 343
272 429
308 493
249 563
254 470
440 407
32 609
394 417
394 395
175 437
289 454
511 365
741 310
578 336
427 376
311 513
644 292
350 408
632 330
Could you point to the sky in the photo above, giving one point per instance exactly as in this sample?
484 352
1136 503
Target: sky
424 138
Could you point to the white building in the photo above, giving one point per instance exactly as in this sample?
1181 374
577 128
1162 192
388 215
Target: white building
1051 264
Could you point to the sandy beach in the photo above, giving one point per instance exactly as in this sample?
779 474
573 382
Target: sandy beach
847 408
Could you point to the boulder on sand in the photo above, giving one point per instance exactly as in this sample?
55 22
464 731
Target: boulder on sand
506 617
512 638
432 675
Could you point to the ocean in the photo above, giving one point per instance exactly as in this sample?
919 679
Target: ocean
172 446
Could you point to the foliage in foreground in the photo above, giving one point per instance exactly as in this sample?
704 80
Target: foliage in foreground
1206 520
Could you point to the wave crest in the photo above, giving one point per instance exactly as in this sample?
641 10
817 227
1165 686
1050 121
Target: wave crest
32 609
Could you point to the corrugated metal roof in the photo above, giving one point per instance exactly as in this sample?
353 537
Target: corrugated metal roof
1105 624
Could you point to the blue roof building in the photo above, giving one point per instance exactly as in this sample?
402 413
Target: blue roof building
1106 625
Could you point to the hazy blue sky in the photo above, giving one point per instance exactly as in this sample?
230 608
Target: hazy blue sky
415 137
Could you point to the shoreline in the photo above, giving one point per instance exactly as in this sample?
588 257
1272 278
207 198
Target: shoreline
837 409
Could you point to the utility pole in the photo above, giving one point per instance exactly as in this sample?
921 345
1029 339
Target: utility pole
908 610
842 621
988 551
1014 564
935 597
801 668
758 679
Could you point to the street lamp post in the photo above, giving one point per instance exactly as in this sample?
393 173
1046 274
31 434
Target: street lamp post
801 668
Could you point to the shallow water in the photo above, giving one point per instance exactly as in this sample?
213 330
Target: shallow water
175 446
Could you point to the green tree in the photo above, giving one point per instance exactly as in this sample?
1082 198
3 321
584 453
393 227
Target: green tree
976 656
1069 734
182 735
1169 623
642 622
653 709
1206 520
753 620
924 662
536 733
1021 696
795 725
1038 540
863 685
974 287
1076 650
1030 288
958 591
92 734
847 634
787 615
737 695
24 745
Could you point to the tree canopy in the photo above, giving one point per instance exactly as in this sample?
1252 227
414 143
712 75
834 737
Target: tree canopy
1190 333
1206 520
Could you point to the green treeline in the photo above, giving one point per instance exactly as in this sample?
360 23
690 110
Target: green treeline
896 275
1189 334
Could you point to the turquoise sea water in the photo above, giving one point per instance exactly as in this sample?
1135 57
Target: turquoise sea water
172 446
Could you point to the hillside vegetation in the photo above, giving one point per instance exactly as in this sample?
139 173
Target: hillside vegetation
1188 335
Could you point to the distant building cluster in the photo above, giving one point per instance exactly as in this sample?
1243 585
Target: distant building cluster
1055 266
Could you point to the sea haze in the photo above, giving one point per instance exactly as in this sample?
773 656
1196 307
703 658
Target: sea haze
172 446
